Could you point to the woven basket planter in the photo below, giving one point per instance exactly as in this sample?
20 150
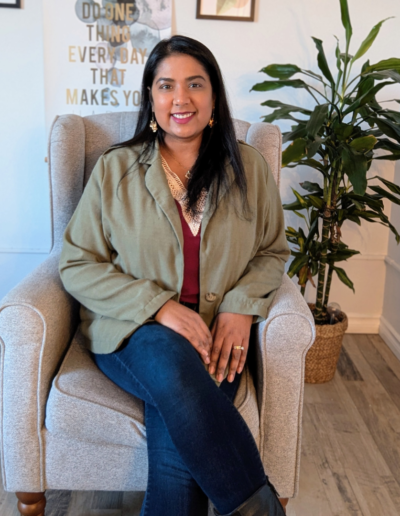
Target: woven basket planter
322 357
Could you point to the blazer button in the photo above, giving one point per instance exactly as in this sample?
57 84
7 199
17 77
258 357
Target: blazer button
210 296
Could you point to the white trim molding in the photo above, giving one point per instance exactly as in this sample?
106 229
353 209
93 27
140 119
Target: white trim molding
361 323
392 263
368 257
390 336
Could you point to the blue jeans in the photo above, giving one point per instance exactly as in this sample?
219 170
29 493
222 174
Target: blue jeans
199 446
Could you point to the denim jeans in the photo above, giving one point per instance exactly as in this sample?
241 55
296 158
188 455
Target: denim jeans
199 446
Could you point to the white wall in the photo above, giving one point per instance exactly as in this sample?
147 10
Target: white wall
390 320
281 34
24 192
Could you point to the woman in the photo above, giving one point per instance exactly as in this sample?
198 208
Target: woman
176 247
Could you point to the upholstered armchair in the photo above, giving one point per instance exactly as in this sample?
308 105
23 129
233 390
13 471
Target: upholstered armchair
64 424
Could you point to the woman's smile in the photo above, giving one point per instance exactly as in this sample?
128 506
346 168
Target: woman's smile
182 118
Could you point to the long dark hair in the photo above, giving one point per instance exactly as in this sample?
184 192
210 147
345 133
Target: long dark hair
218 146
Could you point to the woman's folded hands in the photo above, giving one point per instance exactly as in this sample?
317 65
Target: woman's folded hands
216 346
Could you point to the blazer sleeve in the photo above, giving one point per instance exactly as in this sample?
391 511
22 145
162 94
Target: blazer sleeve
86 267
254 291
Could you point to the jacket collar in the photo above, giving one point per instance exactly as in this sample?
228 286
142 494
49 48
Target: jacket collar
157 184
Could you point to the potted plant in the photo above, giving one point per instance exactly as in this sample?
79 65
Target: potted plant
339 138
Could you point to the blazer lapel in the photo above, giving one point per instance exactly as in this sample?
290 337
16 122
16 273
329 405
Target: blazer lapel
157 184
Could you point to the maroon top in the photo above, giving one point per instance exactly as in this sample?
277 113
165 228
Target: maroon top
191 249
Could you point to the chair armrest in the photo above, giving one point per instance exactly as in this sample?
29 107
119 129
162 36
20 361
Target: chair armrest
282 341
37 321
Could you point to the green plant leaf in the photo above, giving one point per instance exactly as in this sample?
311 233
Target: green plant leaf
343 131
342 255
315 75
386 222
366 214
277 104
225 5
388 157
303 217
364 144
311 187
355 166
316 201
344 8
313 163
279 114
344 278
369 40
392 187
389 128
313 147
299 132
322 62
293 206
369 95
281 71
276 85
385 74
338 63
366 198
294 152
384 193
386 64
354 218
317 119
313 228
297 264
304 203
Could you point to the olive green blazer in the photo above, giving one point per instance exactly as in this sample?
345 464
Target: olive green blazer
122 255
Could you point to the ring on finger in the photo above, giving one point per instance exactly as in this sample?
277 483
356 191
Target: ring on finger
238 347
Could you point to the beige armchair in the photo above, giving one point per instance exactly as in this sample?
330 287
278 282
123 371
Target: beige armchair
64 424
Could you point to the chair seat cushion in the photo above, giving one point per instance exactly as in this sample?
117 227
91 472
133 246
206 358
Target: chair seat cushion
85 404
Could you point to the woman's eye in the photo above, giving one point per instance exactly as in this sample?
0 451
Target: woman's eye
195 85
165 86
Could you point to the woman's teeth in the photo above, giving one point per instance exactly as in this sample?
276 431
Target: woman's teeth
186 115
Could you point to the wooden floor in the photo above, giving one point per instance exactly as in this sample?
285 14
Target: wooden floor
350 462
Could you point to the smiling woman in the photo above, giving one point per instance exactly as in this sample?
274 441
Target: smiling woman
177 245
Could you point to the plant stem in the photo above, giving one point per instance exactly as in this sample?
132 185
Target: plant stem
319 316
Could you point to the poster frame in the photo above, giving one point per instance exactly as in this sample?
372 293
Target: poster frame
226 18
15 5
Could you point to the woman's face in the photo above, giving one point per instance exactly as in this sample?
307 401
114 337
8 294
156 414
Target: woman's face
182 97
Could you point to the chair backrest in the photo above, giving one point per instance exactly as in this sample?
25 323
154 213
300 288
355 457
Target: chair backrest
76 143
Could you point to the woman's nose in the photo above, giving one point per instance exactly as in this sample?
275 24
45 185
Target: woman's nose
181 96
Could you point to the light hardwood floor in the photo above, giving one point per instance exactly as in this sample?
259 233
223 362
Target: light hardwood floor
350 462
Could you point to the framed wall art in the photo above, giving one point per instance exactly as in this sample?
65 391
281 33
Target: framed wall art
11 3
234 10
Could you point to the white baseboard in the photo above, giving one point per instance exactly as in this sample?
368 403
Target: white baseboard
390 336
359 323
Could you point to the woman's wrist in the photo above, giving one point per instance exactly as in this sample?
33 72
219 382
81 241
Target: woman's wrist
155 313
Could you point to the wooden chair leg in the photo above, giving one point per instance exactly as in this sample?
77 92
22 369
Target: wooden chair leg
284 502
31 504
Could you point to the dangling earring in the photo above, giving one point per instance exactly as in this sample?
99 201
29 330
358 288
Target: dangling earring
153 123
212 121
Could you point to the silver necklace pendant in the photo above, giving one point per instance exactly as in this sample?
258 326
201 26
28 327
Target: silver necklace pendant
188 174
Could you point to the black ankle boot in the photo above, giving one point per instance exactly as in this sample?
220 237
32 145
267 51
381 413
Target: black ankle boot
264 502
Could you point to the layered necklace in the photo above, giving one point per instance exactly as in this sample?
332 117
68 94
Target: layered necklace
179 193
